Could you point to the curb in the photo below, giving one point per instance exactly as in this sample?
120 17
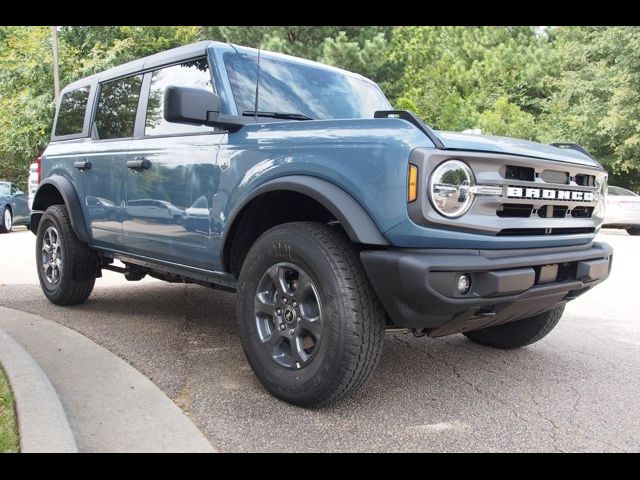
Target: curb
109 405
42 422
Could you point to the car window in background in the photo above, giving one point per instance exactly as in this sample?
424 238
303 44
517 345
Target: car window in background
117 107
5 189
73 106
290 87
619 191
14 189
194 74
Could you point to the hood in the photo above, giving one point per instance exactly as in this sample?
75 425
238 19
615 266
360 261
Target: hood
513 146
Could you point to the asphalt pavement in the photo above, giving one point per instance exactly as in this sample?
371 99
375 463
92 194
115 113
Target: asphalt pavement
576 390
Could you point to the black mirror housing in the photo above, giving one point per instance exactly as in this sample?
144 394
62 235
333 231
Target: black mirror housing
192 106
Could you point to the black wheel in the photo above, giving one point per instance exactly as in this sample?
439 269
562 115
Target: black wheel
6 222
633 231
517 334
310 324
66 266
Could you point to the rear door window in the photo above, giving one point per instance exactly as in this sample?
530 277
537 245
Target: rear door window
117 107
73 107
193 73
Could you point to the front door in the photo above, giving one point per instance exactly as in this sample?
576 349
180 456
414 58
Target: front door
171 176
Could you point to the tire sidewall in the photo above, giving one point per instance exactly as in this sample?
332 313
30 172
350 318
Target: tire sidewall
295 385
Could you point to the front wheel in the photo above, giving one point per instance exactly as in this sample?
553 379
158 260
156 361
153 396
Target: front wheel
633 231
310 324
66 267
6 222
517 334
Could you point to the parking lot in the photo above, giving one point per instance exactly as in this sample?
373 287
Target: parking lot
576 390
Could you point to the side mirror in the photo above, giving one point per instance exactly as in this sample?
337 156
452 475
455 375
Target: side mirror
189 105
197 106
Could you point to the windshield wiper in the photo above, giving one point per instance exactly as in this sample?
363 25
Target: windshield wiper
289 116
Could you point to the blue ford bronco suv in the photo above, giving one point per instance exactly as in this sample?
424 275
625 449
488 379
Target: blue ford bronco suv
332 216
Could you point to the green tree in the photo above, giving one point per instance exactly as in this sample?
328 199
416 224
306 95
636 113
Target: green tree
596 101
26 98
454 74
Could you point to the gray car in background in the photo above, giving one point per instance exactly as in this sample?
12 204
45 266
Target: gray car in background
623 210
14 209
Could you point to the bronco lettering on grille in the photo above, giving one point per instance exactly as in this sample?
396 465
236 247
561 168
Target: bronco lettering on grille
550 194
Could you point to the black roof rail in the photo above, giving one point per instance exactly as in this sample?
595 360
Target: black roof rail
573 146
411 117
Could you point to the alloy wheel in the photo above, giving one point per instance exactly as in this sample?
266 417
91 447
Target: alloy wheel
288 315
51 255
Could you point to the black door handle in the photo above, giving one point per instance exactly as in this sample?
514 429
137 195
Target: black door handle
82 165
139 163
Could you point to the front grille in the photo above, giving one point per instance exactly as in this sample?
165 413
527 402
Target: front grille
526 174
513 232
514 210
582 212
553 211
525 210
555 176
585 180
516 196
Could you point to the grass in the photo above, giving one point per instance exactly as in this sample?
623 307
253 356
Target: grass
9 442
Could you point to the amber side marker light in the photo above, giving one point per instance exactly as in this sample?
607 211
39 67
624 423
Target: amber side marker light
412 193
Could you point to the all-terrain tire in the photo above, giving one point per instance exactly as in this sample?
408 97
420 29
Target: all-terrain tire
352 317
517 334
633 231
78 263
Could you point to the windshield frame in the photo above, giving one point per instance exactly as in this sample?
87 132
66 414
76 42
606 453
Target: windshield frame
296 62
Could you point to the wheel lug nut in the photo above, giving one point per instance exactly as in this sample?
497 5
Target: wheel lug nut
282 327
279 311
284 300
292 331
295 304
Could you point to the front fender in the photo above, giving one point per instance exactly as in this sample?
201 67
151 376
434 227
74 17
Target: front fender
352 216
54 190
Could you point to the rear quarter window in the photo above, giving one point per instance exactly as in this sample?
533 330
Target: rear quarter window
73 106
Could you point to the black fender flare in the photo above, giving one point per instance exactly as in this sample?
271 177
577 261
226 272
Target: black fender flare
355 220
71 201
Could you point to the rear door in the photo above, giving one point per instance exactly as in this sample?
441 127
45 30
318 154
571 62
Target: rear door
172 174
103 175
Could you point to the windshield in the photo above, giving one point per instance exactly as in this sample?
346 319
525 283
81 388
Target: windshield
291 87
5 189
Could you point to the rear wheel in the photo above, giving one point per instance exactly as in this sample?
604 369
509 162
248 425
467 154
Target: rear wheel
66 266
633 231
517 334
310 324
6 222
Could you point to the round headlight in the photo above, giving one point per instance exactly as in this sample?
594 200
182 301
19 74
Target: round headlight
449 188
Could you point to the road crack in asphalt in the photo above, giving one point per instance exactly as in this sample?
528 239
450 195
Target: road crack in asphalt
513 409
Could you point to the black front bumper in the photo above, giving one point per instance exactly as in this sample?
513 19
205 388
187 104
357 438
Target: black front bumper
418 287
